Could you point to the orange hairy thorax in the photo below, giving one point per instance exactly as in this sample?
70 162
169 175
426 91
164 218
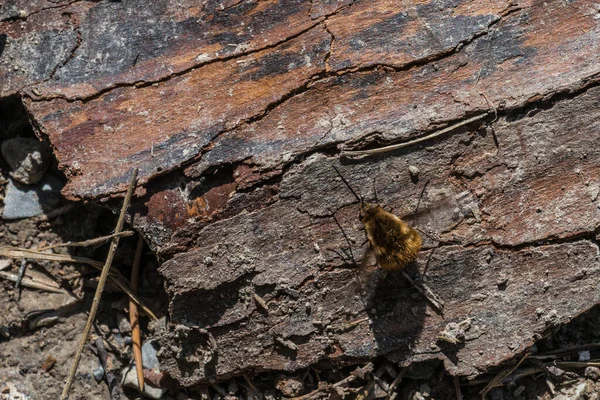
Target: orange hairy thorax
395 243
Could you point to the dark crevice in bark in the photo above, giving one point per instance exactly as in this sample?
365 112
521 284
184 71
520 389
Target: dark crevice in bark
71 53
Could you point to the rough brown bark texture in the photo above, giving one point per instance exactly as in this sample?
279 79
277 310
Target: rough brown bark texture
235 111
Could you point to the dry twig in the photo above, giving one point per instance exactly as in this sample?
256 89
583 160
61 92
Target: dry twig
358 372
134 320
457 388
32 283
253 388
354 153
101 283
55 213
397 380
90 242
16 252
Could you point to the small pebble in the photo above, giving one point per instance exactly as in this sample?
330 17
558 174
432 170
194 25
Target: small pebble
592 373
418 396
149 358
584 355
158 326
29 201
290 387
28 158
414 172
98 374
130 380
539 311
124 325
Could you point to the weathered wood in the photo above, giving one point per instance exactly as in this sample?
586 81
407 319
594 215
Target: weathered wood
509 208
235 112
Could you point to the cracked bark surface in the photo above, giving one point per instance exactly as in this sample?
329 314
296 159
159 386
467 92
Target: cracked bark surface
235 112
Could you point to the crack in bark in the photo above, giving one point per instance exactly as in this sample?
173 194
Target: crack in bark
78 41
59 6
546 102
144 83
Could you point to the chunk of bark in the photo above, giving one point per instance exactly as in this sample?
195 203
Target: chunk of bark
235 112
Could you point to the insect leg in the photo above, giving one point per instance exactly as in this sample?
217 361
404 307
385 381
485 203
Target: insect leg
421 196
437 304
345 237
361 284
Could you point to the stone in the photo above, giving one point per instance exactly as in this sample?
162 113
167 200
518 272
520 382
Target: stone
124 325
290 387
130 380
29 201
592 373
98 374
414 172
28 158
149 358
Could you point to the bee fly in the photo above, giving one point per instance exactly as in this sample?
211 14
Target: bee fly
395 243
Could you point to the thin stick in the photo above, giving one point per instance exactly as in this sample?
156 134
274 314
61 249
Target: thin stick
492 106
352 153
31 283
348 184
397 380
101 283
564 350
134 320
345 237
252 387
421 196
577 364
55 213
89 242
16 252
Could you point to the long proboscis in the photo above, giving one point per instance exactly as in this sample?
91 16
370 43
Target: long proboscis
360 199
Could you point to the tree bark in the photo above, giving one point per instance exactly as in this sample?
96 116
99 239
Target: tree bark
235 112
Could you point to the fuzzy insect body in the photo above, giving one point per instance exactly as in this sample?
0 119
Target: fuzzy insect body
395 243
